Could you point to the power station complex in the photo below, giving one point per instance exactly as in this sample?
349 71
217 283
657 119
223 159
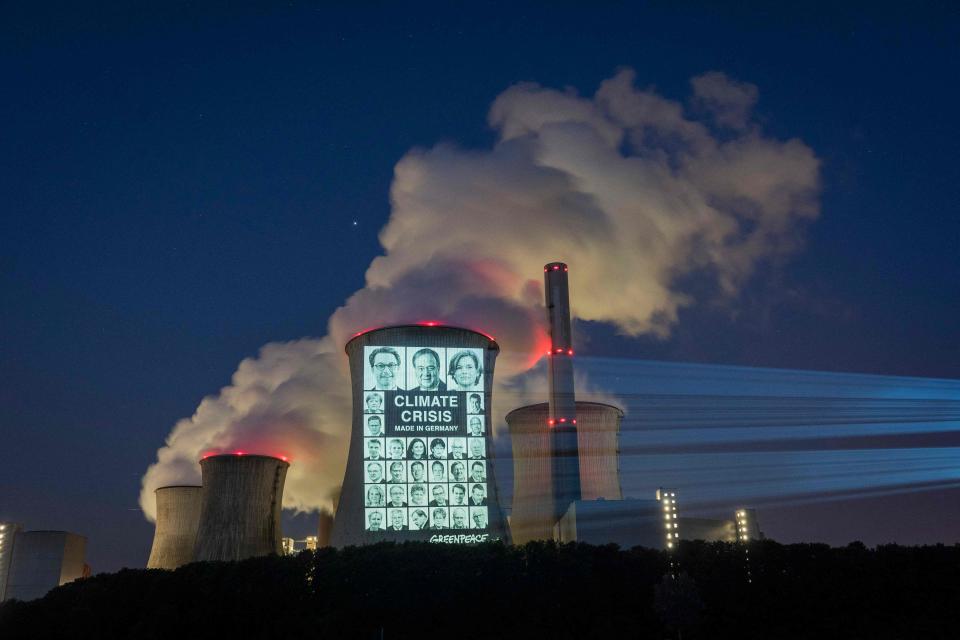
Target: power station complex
419 468
420 461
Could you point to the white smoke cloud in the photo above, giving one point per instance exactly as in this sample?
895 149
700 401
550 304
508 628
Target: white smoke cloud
627 187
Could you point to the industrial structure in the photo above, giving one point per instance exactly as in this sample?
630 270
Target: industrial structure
8 535
240 505
707 529
747 525
292 546
562 417
324 529
178 517
420 459
597 429
565 452
41 561
566 463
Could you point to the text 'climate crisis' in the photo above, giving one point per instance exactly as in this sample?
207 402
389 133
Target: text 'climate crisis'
432 407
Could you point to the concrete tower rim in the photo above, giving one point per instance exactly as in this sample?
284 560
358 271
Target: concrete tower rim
234 455
422 325
538 405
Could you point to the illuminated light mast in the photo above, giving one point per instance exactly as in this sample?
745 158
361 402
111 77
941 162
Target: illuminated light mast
562 418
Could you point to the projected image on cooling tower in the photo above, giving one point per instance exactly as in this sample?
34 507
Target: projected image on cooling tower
422 459
423 439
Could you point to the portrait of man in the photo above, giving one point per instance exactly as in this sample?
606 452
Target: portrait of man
374 426
374 519
438 518
438 449
477 449
385 372
375 472
458 472
439 494
476 426
375 497
418 472
398 496
374 449
474 403
478 472
397 475
478 517
459 517
458 494
478 496
374 402
418 495
418 520
465 372
398 519
457 449
438 471
396 449
426 371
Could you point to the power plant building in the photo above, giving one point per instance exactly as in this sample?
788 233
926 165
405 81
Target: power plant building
747 526
707 529
43 560
175 534
240 506
420 457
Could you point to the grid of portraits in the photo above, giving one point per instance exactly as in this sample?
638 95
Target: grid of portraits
425 369
417 483
414 483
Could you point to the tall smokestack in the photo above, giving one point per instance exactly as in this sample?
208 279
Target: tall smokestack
562 418
240 507
178 515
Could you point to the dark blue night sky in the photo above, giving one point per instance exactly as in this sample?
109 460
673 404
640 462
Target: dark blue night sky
181 185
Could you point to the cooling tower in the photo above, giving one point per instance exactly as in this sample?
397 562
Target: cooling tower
324 528
533 514
240 507
178 515
420 464
43 560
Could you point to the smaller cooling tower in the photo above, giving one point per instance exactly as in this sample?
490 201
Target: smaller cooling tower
534 500
324 528
240 507
178 515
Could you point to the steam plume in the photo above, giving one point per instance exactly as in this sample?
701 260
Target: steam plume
627 187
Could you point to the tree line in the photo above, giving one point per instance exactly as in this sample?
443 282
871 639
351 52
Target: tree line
417 590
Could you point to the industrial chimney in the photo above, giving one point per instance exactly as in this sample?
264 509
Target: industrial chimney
562 416
324 528
240 507
178 515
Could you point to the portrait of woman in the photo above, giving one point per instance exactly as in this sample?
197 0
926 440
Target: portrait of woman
417 449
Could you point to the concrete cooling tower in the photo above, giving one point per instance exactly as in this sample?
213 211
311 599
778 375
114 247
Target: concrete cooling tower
178 516
420 466
324 529
534 504
240 507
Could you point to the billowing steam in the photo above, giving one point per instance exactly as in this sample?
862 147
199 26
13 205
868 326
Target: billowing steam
628 187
